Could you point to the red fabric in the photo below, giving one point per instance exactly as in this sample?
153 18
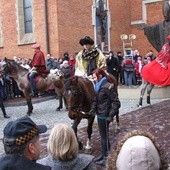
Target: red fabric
128 61
72 64
39 62
158 71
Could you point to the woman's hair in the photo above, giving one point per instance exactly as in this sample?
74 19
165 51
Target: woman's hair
112 158
99 71
62 143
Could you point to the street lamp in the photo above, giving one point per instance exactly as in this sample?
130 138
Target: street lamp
127 43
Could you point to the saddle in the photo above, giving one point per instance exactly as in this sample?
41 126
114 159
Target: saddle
37 77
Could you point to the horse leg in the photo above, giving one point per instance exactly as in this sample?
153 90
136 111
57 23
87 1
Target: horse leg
74 126
89 132
29 103
60 102
149 90
117 122
65 103
142 92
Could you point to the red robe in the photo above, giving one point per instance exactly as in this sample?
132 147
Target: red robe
38 61
158 71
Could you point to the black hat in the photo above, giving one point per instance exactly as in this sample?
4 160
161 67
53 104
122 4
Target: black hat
86 40
21 131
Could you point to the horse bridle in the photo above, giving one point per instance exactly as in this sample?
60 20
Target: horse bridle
77 106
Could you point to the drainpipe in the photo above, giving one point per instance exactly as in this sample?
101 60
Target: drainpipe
46 27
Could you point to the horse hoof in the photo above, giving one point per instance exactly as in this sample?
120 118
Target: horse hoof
58 109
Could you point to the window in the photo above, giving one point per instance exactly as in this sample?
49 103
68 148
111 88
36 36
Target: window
25 22
27 16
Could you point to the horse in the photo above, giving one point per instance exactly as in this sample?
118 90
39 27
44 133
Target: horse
79 95
20 75
145 85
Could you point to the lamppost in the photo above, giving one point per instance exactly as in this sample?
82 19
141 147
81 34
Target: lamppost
127 43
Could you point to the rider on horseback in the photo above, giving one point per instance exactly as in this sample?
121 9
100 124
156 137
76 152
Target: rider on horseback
38 67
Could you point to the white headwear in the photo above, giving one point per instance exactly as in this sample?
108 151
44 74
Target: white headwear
138 153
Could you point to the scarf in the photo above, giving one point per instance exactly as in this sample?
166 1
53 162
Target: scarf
90 57
100 84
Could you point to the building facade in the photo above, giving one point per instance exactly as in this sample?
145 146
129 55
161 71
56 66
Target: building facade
59 25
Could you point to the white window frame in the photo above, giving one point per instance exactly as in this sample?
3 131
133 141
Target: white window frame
144 12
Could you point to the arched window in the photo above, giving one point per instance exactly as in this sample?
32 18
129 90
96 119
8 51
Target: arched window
27 16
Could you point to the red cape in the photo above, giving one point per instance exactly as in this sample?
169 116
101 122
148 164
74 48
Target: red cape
158 71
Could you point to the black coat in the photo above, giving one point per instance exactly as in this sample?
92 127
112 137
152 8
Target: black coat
112 65
14 162
2 89
106 102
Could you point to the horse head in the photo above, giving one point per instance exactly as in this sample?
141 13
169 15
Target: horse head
11 68
74 96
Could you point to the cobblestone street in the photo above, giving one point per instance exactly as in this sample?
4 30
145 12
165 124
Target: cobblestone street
155 118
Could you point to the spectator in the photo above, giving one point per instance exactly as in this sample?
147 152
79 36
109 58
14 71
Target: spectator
112 65
22 145
65 68
106 105
128 66
151 55
65 57
49 62
72 62
63 151
138 150
120 69
88 59
2 92
138 68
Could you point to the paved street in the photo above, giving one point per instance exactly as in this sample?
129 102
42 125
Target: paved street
44 113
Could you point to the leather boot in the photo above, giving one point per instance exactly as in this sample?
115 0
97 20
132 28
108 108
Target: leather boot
101 162
100 157
6 116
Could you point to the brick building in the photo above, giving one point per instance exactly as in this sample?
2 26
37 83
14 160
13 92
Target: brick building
58 25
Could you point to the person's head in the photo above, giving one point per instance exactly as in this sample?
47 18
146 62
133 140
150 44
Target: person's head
98 74
137 150
48 56
36 47
119 53
66 54
87 43
72 57
62 143
21 137
65 63
111 53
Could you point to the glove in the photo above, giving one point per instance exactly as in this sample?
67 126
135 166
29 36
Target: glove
109 119
91 112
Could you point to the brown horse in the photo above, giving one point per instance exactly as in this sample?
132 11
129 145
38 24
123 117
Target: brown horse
20 75
79 95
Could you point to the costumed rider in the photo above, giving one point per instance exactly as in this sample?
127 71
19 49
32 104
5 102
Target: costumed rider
37 68
89 58
158 71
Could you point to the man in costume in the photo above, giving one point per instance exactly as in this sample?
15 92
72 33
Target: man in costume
38 67
158 71
89 58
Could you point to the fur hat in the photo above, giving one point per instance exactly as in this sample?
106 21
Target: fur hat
137 150
86 40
